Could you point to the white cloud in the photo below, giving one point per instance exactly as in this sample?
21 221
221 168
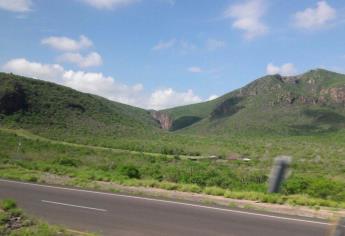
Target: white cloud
67 44
90 60
99 84
212 97
195 69
105 86
16 5
167 98
109 4
247 17
21 66
164 45
181 46
314 18
214 44
287 69
186 46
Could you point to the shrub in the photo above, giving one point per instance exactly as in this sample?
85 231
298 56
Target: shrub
234 195
323 188
8 204
65 161
270 198
16 212
216 191
193 188
30 178
167 185
130 171
3 219
149 183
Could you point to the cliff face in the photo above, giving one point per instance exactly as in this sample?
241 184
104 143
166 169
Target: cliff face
337 95
163 118
308 89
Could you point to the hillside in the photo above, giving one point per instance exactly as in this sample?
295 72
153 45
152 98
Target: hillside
59 112
50 129
310 103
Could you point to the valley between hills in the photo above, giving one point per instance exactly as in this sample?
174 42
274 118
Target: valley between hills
224 147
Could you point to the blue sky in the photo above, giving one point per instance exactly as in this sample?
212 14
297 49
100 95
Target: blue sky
164 53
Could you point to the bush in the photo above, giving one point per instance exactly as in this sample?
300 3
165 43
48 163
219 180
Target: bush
318 187
130 171
16 212
8 204
30 178
216 191
65 161
193 188
326 189
270 198
3 219
234 195
168 185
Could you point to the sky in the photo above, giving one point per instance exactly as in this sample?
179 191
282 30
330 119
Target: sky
157 54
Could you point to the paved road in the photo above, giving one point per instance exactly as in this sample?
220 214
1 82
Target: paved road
114 214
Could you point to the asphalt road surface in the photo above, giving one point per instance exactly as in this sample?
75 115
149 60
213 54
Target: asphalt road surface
115 214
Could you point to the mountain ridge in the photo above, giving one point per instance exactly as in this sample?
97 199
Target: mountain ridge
313 101
319 88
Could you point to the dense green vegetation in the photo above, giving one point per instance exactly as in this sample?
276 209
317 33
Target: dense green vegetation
308 104
13 222
60 112
46 128
314 181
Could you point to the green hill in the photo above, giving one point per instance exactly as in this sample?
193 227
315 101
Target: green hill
59 112
48 128
310 103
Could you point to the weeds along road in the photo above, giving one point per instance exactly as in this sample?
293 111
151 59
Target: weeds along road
115 214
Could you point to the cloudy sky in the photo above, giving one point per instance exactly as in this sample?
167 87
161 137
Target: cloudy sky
164 53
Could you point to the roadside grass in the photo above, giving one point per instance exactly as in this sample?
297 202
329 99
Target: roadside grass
312 182
216 191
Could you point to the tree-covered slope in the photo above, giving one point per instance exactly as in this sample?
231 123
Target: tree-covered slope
306 104
57 111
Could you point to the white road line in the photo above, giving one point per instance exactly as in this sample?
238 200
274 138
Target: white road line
171 202
71 205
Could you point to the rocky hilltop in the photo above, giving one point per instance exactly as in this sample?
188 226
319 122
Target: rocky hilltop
311 102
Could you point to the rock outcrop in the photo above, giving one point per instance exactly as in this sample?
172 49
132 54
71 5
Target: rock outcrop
163 118
336 95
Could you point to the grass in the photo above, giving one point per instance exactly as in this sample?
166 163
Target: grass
270 106
8 204
53 129
216 191
231 179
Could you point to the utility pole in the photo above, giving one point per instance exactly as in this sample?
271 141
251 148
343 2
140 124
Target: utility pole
278 173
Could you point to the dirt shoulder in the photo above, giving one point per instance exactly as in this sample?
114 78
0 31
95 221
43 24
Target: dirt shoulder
322 213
